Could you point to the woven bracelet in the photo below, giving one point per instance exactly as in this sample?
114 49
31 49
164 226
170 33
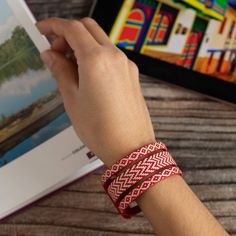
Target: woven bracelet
133 175
144 167
131 158
124 207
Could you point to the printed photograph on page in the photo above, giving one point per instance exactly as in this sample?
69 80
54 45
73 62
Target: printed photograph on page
31 108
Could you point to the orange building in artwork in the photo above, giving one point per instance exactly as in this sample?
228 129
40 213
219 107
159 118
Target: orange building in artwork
219 48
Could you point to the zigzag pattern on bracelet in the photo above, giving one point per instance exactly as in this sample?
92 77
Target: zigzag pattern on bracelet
124 206
139 171
129 159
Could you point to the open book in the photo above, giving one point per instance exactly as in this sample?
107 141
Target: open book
39 150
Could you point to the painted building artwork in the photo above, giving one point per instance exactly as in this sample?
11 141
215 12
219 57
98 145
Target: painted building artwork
196 34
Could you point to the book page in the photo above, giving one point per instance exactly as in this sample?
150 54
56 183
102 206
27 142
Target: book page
39 150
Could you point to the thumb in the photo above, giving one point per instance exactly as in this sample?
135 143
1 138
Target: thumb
64 71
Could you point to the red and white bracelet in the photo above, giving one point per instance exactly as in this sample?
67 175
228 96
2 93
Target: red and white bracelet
129 159
129 178
139 171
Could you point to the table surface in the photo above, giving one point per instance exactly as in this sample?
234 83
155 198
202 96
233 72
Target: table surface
199 132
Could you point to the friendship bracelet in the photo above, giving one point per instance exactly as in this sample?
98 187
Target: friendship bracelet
138 172
129 159
132 176
124 206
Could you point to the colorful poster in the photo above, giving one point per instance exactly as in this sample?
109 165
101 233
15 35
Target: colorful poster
199 35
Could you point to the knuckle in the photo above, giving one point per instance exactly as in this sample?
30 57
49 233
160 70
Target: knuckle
74 24
54 19
118 57
119 54
88 20
133 67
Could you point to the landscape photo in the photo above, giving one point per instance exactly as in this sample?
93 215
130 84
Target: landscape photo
199 35
31 108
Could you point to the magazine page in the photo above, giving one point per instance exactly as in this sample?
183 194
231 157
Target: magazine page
38 147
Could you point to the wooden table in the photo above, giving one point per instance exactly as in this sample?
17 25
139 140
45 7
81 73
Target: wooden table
199 132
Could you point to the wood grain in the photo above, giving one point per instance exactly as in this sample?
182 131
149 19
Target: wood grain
200 133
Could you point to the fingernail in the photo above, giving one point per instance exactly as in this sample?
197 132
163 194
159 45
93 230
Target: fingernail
47 58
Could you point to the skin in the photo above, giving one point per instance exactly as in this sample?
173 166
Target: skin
102 96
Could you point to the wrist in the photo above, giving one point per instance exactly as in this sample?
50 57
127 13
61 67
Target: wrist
152 194
122 149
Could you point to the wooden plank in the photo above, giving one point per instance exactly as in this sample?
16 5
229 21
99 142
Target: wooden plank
79 200
45 230
88 185
186 104
202 154
162 133
228 223
57 8
198 144
80 218
215 176
202 161
196 128
162 91
194 113
215 192
194 121
222 208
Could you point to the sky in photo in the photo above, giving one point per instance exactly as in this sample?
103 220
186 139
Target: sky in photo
7 21
19 92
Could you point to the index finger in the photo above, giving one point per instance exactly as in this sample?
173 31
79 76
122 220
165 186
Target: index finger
74 32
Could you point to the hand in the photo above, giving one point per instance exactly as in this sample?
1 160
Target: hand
103 99
100 88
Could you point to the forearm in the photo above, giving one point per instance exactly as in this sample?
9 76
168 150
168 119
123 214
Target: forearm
173 209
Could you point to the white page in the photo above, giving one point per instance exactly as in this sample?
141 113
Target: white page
39 150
